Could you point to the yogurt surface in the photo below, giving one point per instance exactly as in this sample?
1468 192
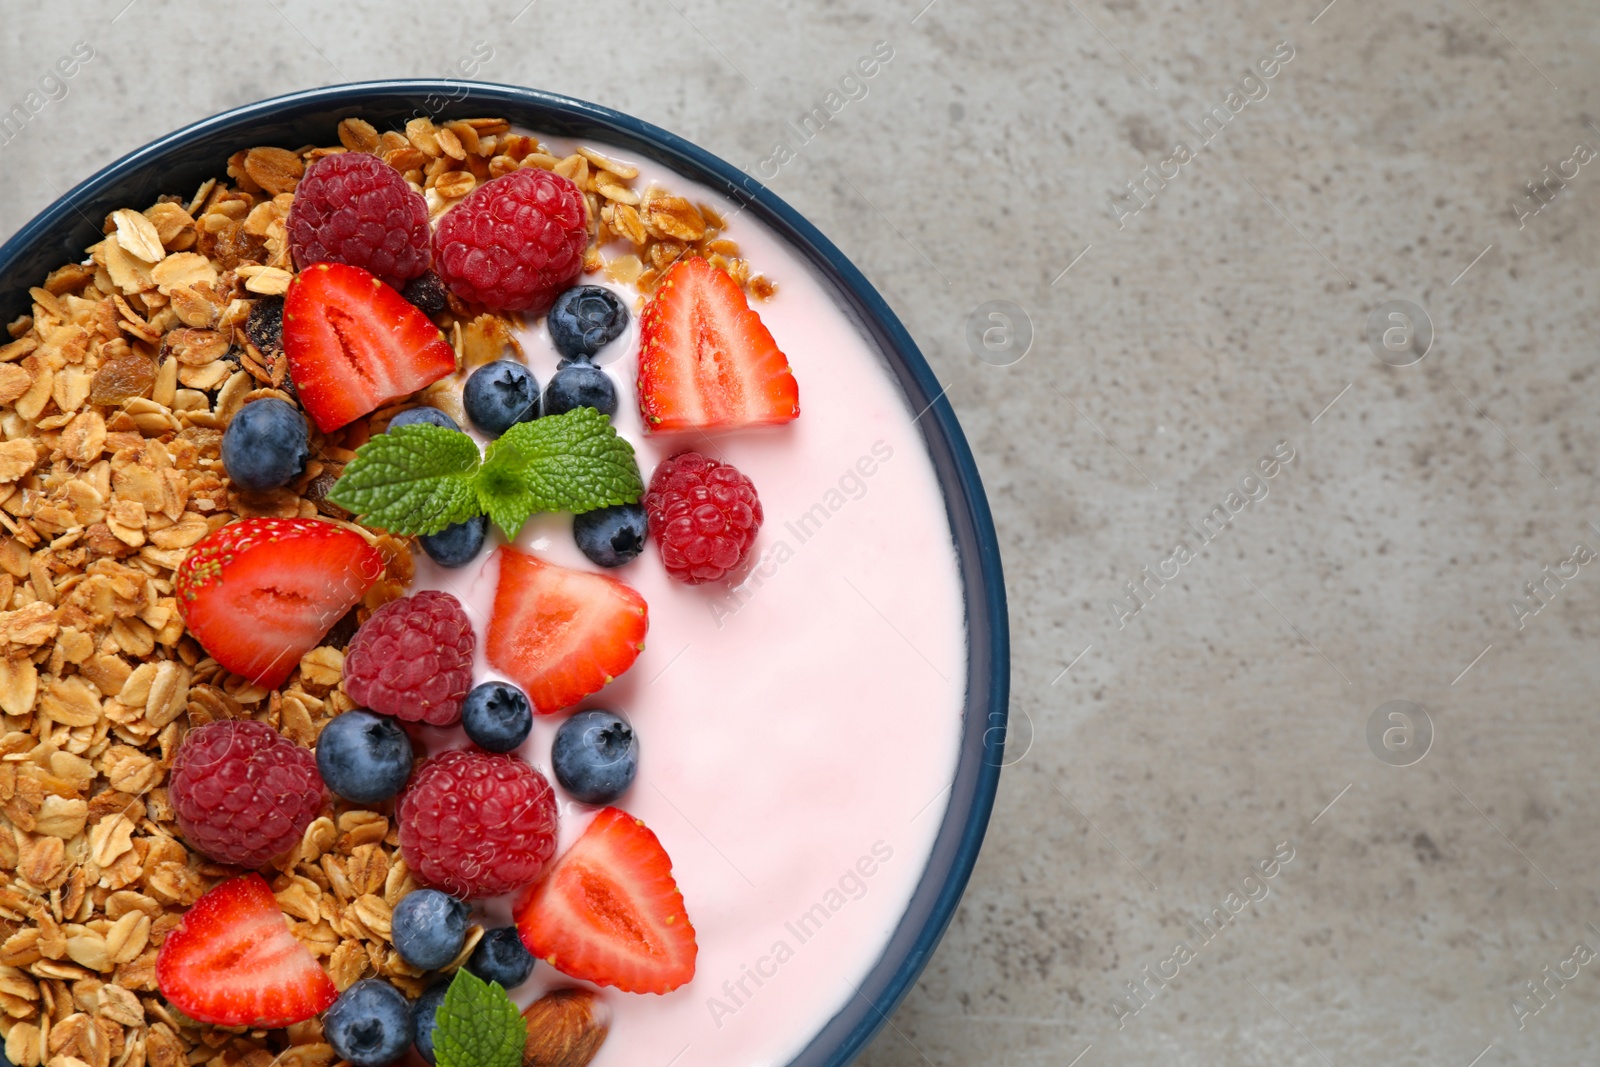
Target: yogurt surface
799 729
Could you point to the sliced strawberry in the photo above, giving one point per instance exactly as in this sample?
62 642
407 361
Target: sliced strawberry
562 634
231 961
706 361
609 912
261 593
354 344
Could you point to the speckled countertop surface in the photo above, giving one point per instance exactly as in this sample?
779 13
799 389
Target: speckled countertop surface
1164 748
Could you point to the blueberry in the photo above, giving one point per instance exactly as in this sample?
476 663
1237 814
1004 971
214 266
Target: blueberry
427 1012
266 445
501 957
580 385
370 1023
496 716
425 415
364 757
499 395
428 928
584 319
595 756
611 536
458 544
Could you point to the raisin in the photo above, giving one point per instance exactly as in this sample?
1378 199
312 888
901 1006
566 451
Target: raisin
319 488
343 631
122 379
265 326
427 293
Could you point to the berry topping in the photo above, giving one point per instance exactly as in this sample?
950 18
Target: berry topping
243 792
611 536
477 825
496 716
580 385
370 1024
354 344
427 294
266 444
413 659
426 1019
704 515
515 242
354 208
501 957
427 416
562 634
706 361
261 593
428 928
364 757
595 756
232 961
609 911
584 319
499 395
457 544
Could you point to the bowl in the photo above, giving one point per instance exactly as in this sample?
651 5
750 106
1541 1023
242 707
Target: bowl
179 162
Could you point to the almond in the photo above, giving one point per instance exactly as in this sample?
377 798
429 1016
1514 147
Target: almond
565 1028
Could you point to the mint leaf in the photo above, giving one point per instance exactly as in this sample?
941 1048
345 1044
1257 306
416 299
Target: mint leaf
477 1025
504 496
415 479
569 462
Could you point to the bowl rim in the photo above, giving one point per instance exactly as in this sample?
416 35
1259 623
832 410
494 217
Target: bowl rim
66 227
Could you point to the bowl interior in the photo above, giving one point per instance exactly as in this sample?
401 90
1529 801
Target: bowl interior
180 162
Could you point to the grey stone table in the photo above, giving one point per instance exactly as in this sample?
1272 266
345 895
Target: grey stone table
1206 213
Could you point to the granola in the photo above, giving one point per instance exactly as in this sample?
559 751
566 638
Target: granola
114 393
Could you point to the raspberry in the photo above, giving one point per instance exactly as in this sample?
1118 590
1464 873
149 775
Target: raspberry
515 243
477 825
243 792
704 515
356 209
413 659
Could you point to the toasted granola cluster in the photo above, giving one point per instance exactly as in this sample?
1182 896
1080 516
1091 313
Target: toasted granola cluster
114 394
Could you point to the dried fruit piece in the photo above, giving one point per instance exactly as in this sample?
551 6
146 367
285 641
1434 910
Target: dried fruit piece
122 379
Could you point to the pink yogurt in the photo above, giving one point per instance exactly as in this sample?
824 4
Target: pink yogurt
798 732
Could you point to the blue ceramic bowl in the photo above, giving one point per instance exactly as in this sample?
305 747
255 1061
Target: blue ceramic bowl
179 162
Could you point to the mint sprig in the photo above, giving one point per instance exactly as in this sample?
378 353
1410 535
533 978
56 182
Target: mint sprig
570 462
415 479
418 479
477 1025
